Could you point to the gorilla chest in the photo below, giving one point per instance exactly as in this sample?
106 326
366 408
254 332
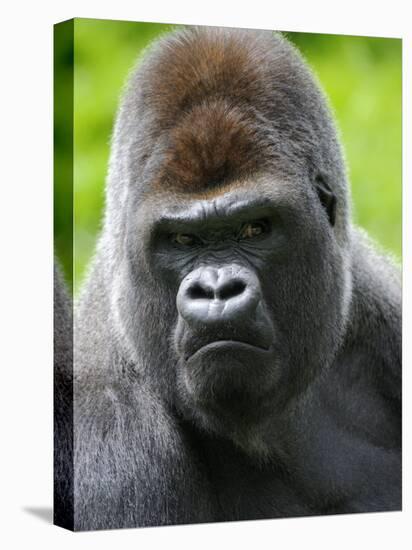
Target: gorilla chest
243 489
328 467
243 495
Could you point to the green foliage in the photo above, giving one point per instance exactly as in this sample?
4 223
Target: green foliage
63 145
361 76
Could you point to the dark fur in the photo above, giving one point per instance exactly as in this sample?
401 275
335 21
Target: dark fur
63 403
213 116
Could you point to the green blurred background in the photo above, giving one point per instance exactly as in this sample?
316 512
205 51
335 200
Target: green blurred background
362 77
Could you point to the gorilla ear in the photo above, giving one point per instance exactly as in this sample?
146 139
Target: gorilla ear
327 198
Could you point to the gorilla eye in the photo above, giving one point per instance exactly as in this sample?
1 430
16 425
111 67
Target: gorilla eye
184 239
251 230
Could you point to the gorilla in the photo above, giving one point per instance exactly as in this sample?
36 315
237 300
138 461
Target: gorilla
237 341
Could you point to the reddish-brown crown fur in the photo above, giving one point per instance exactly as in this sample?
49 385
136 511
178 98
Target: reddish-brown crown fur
217 105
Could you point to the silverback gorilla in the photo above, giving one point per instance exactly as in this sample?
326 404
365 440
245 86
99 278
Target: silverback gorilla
238 341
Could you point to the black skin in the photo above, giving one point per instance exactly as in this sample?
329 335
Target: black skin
237 342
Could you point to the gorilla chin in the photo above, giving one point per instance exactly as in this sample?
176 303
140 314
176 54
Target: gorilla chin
226 373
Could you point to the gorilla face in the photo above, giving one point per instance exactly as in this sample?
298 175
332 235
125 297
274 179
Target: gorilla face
250 297
227 227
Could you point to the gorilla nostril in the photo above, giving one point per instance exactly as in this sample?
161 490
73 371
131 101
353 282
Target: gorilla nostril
199 292
227 290
231 289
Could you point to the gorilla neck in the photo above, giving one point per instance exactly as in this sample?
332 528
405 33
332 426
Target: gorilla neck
259 429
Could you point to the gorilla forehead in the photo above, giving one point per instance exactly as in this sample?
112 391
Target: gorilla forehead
213 143
217 103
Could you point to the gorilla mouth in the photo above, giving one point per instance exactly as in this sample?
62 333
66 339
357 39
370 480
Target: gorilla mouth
228 345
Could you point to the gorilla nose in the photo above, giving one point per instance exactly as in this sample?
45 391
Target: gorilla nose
212 295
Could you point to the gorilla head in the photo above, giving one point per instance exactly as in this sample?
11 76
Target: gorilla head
226 238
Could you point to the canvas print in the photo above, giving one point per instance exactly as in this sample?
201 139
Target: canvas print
227 323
